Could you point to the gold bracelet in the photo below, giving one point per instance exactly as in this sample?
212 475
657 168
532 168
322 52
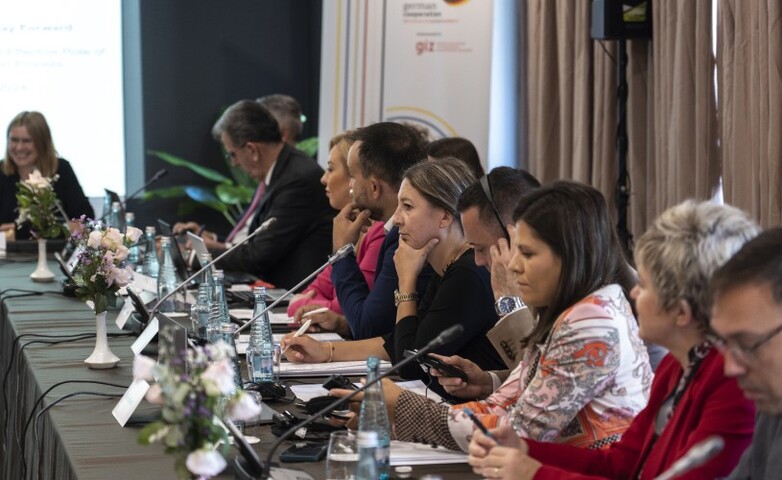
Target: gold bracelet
331 352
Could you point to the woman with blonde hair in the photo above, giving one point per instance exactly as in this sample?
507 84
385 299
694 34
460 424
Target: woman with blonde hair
321 292
459 292
30 147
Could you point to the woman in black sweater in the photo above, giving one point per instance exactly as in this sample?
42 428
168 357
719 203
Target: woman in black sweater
29 147
430 231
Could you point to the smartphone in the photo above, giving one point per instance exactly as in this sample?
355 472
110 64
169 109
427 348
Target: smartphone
338 381
304 452
433 362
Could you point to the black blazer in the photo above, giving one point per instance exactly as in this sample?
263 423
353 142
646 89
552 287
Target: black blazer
300 240
68 191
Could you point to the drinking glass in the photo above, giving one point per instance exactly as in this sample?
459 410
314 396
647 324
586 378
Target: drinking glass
342 456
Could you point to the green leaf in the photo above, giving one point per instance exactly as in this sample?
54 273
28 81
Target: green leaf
308 146
170 192
205 172
149 430
234 194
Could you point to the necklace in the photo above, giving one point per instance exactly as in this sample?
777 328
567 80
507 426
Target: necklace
459 252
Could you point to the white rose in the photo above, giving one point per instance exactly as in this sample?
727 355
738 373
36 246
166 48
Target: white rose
95 239
37 181
218 378
143 367
133 234
111 239
205 462
121 253
243 407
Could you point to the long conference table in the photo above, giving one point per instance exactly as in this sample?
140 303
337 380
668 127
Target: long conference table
79 438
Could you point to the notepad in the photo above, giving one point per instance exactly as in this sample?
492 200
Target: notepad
241 344
289 369
247 314
407 453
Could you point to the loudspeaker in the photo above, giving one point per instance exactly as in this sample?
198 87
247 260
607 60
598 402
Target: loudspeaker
621 19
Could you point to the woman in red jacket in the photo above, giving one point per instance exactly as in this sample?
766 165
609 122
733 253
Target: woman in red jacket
691 399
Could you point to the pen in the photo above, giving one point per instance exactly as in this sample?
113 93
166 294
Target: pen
298 333
477 422
310 313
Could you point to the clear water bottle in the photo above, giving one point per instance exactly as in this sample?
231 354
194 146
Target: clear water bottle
134 254
151 263
218 314
106 206
166 278
206 276
228 333
201 310
115 219
260 351
367 467
374 418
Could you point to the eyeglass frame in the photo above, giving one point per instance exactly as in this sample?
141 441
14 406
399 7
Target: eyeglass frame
229 156
745 355
489 196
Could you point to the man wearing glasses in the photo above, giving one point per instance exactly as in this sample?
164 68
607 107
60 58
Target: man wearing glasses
747 320
289 190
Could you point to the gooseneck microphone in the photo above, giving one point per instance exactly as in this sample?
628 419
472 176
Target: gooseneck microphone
262 228
343 252
696 456
262 470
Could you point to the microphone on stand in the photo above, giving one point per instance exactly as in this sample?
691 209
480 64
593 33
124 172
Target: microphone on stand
696 456
262 228
157 176
260 470
343 252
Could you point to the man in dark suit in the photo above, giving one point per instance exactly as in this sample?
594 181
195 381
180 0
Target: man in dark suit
289 190
377 160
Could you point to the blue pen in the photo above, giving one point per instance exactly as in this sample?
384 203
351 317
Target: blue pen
477 422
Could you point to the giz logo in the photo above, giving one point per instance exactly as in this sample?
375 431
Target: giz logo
425 46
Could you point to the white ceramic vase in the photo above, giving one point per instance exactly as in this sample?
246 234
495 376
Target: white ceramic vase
102 357
42 273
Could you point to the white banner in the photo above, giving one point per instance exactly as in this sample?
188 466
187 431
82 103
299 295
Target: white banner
425 63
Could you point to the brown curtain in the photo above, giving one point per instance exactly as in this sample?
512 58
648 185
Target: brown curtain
750 66
571 104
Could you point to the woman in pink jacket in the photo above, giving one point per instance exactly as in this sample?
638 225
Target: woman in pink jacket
321 293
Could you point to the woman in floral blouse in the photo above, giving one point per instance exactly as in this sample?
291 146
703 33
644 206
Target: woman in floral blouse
691 398
585 373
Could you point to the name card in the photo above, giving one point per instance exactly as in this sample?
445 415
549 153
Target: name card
130 401
145 283
124 314
146 336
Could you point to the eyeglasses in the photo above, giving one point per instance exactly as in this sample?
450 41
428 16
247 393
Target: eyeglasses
229 156
745 354
487 191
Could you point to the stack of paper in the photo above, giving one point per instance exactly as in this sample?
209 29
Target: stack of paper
405 453
305 392
241 344
288 369
247 314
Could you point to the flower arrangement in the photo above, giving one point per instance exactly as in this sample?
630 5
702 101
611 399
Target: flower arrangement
102 268
193 388
38 205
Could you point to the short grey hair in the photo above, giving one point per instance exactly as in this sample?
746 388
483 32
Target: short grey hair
686 245
286 111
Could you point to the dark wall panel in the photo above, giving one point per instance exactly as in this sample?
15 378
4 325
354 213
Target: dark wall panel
198 57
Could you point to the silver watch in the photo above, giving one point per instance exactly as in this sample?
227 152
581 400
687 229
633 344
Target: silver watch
508 304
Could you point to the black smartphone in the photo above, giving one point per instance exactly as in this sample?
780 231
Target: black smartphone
338 381
433 362
304 452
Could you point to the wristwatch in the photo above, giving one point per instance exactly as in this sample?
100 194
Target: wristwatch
508 304
404 297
